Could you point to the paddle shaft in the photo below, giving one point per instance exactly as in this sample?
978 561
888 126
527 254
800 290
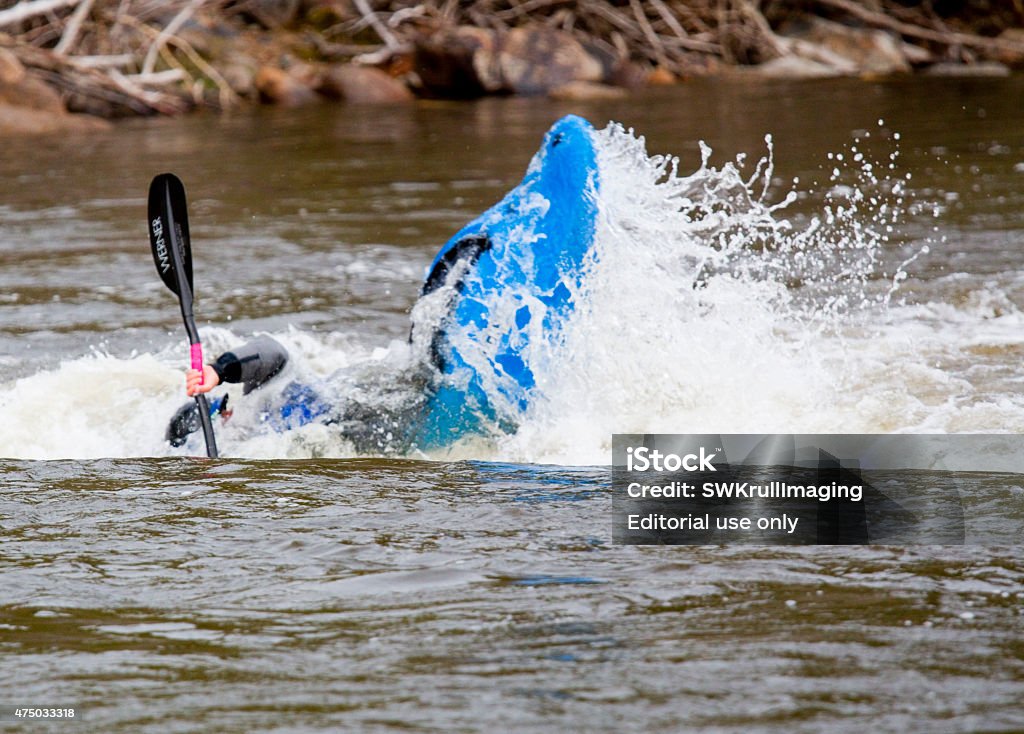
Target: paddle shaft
185 299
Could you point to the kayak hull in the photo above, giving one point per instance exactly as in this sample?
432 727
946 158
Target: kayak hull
519 279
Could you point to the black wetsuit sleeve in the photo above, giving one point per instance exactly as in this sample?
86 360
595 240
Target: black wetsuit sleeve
252 364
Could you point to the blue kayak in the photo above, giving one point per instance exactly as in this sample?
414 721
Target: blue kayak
495 301
511 274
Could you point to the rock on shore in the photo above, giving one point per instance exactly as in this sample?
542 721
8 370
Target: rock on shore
468 61
30 106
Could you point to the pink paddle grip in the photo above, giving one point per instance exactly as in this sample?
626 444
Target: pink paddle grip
197 360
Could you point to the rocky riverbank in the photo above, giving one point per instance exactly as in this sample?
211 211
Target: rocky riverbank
115 58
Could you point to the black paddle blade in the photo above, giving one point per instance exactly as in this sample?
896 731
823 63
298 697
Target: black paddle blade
168 231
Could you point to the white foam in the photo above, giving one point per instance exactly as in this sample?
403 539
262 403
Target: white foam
703 311
689 322
95 406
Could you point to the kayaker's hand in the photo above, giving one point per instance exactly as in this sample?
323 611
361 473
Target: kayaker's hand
210 380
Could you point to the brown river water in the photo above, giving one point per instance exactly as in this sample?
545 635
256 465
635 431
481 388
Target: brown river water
296 585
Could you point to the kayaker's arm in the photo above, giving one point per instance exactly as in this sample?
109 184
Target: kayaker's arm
210 380
252 364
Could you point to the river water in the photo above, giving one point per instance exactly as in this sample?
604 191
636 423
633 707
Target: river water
297 585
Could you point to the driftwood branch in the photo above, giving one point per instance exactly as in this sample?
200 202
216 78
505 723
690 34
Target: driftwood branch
25 10
524 9
648 32
225 94
382 30
103 61
948 38
157 78
670 20
167 33
74 26
112 90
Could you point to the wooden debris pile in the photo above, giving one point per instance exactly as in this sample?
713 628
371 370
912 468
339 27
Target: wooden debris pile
125 57
689 37
112 58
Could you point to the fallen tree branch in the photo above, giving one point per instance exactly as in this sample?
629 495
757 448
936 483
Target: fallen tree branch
382 30
131 88
523 10
116 93
225 94
753 14
652 38
157 78
336 51
25 10
71 30
168 32
948 38
693 18
102 61
670 20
